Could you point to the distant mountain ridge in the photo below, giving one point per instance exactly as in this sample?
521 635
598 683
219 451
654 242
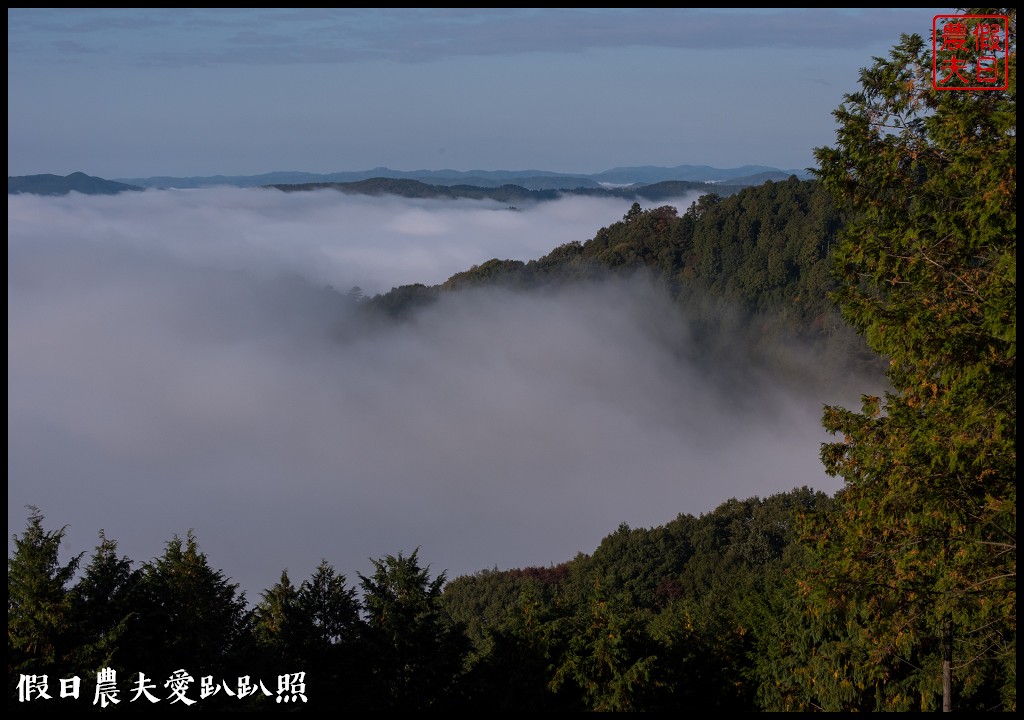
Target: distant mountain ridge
535 181
529 179
509 192
58 185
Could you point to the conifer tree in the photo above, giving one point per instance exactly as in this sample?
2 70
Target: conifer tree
192 616
40 621
105 608
416 651
917 568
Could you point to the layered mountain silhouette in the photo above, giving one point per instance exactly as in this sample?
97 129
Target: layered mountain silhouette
529 179
430 182
58 185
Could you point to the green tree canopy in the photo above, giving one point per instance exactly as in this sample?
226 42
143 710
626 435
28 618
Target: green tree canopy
918 567
39 606
193 617
415 650
104 602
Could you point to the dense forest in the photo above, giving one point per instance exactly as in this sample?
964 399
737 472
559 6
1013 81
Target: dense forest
898 593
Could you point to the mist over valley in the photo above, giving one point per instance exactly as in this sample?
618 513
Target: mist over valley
195 359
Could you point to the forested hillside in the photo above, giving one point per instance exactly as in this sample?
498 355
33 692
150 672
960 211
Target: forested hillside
751 270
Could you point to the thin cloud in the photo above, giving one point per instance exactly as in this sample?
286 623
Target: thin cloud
188 37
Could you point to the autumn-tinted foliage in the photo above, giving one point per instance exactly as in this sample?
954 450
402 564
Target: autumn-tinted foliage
916 572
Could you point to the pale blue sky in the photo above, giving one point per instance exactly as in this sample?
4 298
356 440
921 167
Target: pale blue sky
141 92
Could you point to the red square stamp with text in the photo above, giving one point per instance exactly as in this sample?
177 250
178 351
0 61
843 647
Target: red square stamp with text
970 52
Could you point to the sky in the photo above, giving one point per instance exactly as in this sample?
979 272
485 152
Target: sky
131 93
